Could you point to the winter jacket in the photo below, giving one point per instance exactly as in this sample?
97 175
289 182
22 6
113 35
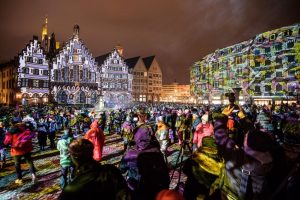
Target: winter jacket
202 130
96 136
162 132
63 147
94 181
12 137
144 142
242 165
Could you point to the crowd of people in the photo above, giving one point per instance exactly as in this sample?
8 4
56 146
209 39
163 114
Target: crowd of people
236 152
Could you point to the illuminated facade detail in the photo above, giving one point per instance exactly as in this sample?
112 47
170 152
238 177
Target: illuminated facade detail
75 76
33 74
266 68
176 93
116 79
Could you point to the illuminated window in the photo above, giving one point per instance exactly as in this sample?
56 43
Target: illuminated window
257 88
29 59
45 72
25 70
35 83
45 84
35 71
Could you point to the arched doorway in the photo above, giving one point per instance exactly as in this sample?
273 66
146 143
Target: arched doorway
93 98
82 98
62 97
45 98
35 98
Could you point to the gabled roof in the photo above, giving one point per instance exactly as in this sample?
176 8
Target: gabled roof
148 61
131 62
100 59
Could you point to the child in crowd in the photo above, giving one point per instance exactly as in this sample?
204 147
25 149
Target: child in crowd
66 164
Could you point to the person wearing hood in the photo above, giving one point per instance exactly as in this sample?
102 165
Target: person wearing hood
205 128
67 166
96 136
162 135
127 131
145 164
246 167
92 179
20 138
285 176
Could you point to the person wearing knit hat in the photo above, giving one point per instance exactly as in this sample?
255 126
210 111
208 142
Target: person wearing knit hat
204 128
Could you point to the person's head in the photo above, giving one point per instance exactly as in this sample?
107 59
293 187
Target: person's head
81 151
204 119
141 115
179 113
259 141
169 195
231 97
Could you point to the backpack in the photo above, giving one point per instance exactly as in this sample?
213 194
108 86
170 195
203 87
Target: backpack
23 139
154 173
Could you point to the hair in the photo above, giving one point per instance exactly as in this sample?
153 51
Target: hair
81 150
169 194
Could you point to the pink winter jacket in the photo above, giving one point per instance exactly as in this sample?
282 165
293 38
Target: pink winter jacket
96 136
202 130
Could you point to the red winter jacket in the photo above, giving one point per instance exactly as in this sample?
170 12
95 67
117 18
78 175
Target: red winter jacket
12 138
96 136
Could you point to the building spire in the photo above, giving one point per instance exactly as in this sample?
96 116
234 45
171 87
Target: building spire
76 31
45 29
120 50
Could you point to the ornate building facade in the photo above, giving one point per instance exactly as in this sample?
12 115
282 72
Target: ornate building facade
75 75
33 74
139 83
8 83
147 78
116 78
154 79
265 69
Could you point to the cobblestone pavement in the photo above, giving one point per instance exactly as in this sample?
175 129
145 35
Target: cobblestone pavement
48 171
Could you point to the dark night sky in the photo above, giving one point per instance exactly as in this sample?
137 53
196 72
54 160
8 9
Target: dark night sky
178 32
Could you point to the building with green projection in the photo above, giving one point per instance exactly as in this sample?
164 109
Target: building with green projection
264 69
